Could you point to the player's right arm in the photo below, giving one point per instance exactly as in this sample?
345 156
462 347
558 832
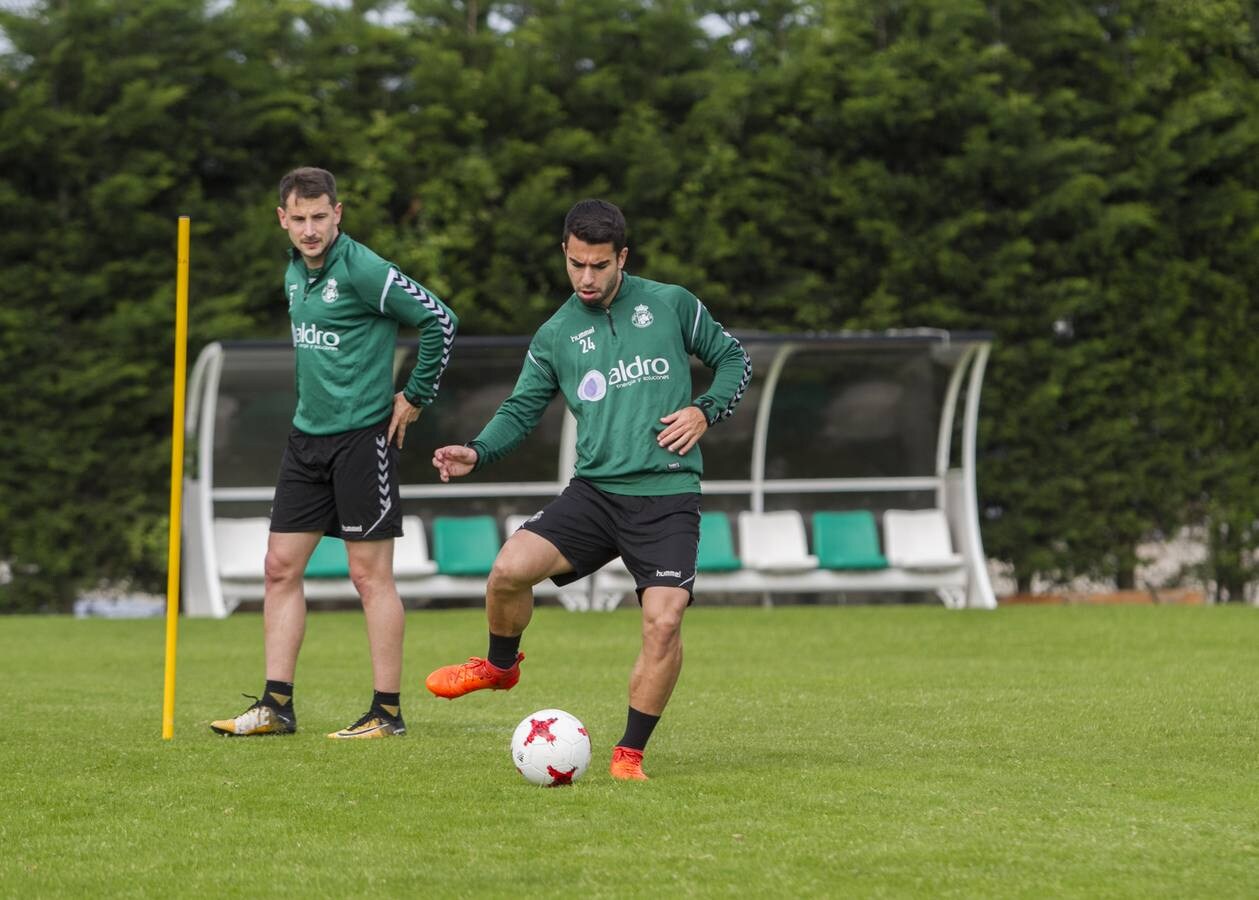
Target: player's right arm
454 461
513 421
521 411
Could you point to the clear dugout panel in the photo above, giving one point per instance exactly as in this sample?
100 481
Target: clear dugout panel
727 446
256 398
253 414
842 409
480 376
856 412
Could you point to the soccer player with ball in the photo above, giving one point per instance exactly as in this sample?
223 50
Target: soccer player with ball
619 350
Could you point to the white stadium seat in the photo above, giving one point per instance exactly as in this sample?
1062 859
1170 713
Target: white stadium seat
242 547
410 552
774 542
918 539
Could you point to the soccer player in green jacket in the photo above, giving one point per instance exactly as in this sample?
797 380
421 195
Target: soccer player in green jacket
619 350
339 472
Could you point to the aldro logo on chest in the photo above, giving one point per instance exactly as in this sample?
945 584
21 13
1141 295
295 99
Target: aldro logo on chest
594 384
309 336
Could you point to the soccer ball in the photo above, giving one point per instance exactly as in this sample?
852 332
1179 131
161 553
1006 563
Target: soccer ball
550 748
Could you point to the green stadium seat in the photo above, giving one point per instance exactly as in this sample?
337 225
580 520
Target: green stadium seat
465 545
329 559
847 540
716 544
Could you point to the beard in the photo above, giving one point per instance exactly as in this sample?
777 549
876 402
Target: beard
601 299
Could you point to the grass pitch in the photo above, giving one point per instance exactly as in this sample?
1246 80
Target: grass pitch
813 751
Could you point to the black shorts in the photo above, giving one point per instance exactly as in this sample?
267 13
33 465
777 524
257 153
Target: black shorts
344 485
657 537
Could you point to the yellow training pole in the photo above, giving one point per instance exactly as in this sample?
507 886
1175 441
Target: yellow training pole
176 478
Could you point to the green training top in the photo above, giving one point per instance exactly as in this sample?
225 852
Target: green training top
621 370
345 326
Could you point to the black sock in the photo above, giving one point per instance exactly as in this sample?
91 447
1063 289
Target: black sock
278 693
503 650
387 702
638 728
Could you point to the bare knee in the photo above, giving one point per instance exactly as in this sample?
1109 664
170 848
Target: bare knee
371 569
282 569
368 582
662 629
510 574
523 561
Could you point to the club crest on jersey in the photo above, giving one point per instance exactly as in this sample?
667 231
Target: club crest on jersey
642 316
594 385
330 291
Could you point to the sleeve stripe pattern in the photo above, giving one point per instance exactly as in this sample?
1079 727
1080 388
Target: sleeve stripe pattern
438 311
699 310
743 382
550 376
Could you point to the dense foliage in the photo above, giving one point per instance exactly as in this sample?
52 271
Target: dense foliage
1081 179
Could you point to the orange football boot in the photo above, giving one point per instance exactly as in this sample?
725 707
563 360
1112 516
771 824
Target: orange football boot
475 675
627 764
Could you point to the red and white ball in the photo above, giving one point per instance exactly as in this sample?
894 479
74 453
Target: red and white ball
550 747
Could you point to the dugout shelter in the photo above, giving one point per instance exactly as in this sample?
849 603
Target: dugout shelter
847 471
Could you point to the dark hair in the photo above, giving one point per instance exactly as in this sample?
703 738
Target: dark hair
596 222
309 183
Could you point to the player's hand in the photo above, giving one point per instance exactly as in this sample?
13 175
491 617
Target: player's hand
682 429
454 461
403 415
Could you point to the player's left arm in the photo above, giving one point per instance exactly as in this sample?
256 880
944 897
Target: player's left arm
682 430
705 339
720 351
407 301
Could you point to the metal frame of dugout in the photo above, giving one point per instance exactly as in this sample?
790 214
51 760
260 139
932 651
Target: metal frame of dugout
850 420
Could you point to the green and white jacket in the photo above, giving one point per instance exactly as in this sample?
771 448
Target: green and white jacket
345 326
620 370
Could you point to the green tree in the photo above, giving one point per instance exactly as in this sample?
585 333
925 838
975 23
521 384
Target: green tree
1079 179
118 117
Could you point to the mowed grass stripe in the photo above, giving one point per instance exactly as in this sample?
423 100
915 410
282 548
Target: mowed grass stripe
808 751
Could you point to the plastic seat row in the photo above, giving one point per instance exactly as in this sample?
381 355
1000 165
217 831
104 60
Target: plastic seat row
463 551
915 554
844 541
